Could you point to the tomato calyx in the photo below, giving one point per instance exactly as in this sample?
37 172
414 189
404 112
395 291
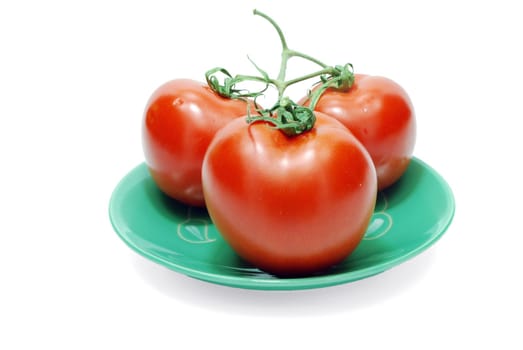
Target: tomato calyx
228 87
341 78
287 116
291 118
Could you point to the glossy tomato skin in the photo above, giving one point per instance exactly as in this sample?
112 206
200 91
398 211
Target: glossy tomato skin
180 120
380 114
289 205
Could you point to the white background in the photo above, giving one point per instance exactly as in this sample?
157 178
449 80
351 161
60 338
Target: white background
74 79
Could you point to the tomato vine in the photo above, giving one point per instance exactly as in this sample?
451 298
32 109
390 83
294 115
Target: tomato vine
286 115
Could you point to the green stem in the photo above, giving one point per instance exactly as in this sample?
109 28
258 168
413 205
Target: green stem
275 25
242 77
284 47
327 70
293 53
286 54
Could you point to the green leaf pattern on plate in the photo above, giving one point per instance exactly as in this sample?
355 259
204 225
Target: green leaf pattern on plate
194 229
381 221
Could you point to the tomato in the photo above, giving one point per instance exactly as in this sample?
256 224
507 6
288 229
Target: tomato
289 205
380 114
180 119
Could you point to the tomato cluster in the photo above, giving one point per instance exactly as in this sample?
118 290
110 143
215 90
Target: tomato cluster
291 188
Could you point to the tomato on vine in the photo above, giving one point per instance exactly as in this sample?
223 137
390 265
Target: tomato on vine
290 205
180 120
380 114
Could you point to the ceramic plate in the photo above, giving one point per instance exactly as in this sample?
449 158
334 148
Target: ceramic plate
409 217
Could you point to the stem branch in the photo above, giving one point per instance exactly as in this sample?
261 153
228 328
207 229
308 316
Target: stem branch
285 115
284 54
293 53
327 70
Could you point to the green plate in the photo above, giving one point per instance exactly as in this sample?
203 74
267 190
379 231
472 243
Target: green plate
409 217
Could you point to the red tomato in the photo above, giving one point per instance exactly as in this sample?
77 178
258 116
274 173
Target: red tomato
181 118
380 114
289 205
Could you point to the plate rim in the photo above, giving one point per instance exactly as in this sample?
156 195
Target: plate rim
276 283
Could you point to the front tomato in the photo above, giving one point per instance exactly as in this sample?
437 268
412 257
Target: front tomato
180 119
380 114
289 205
